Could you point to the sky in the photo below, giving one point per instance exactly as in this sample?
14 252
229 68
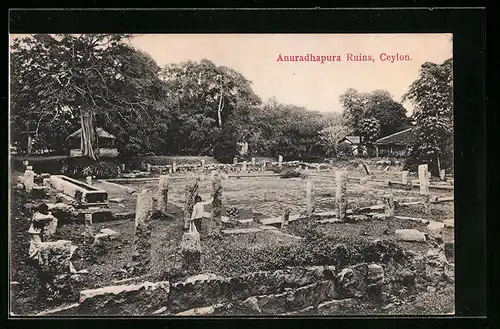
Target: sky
313 85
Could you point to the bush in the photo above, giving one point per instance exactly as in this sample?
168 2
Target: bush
344 152
82 167
291 173
52 165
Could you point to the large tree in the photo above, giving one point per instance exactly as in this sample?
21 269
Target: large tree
97 77
334 133
432 97
390 114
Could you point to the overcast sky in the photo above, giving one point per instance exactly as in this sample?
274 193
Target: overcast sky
310 84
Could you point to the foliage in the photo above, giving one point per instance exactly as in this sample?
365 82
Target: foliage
369 130
344 151
291 173
82 167
333 134
432 97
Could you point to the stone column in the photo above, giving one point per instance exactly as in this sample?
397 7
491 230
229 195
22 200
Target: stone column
142 241
122 167
310 197
389 206
442 174
190 192
217 203
203 165
88 180
244 167
148 167
285 217
235 160
280 161
423 178
264 163
404 177
162 196
170 170
29 179
88 226
340 193
253 161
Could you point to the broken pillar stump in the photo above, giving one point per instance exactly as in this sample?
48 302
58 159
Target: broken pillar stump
244 167
162 197
29 179
442 175
89 233
148 167
423 178
340 193
174 167
285 218
190 193
310 197
404 177
88 180
389 206
280 161
216 203
142 241
253 161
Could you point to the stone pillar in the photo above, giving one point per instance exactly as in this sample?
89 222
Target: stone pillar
389 206
217 203
235 160
122 167
318 167
280 161
203 165
88 226
264 163
190 192
244 167
340 193
142 241
148 167
285 217
404 177
423 178
162 196
170 170
310 197
442 174
29 179
88 180
253 161
174 167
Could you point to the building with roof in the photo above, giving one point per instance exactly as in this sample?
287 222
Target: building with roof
106 144
354 142
397 144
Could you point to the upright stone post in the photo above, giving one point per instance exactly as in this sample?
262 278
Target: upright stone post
389 206
88 180
264 164
217 202
244 167
318 167
170 170
162 197
174 167
122 167
190 193
29 179
423 178
280 161
442 174
148 166
142 242
285 218
89 233
253 161
203 165
235 160
340 193
310 197
404 177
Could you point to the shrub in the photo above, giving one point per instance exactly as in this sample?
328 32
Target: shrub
81 167
344 151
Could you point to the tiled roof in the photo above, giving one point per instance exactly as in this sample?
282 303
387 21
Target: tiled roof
100 133
352 139
403 137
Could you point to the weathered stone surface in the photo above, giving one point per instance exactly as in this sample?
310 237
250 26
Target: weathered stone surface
411 235
190 193
186 295
116 200
50 229
135 299
162 197
404 177
29 180
60 287
340 193
142 243
54 257
242 230
389 206
334 307
423 178
285 217
448 223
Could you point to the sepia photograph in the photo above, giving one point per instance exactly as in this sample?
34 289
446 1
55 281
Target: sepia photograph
173 175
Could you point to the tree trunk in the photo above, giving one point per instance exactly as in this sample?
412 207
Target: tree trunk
438 164
219 109
88 135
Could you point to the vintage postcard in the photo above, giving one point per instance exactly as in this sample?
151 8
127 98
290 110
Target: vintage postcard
231 174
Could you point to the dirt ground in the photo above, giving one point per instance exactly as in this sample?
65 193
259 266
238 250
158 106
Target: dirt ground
258 197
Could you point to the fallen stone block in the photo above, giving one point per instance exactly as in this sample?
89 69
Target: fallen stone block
414 219
330 221
116 200
54 257
336 306
242 230
410 235
106 234
448 223
268 227
135 299
435 226
61 311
